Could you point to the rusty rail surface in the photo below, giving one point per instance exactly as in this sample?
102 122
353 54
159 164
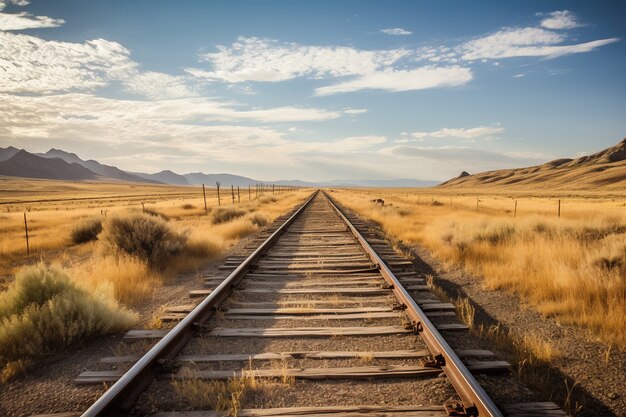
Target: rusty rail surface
127 389
475 401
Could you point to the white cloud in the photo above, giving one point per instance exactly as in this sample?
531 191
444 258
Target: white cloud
354 111
461 133
402 80
396 32
24 20
563 19
524 42
157 85
30 64
258 59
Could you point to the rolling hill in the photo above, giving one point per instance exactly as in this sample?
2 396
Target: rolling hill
28 165
605 169
95 166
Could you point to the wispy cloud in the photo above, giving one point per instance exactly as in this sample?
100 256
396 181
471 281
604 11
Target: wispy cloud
563 19
524 42
268 60
396 32
354 111
24 20
461 133
402 80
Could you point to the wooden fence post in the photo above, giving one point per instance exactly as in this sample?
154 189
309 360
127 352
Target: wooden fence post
238 195
206 211
232 192
559 209
249 193
272 188
515 210
217 183
26 230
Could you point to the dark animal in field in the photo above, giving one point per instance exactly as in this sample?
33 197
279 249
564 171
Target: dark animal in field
379 201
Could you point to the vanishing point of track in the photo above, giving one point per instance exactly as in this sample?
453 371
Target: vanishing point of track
315 268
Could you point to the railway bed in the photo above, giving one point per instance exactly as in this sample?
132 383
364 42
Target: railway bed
324 318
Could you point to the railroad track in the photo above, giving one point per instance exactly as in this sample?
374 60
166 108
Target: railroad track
336 317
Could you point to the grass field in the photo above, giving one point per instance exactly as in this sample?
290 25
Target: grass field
55 208
98 250
572 267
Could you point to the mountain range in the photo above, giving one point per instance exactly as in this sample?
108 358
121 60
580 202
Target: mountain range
61 165
605 169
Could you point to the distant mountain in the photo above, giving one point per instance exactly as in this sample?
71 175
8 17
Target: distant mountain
7 153
27 165
166 177
605 169
198 178
95 166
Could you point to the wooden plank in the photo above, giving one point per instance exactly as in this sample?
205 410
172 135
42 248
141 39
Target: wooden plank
316 355
354 316
339 290
417 288
355 270
388 300
361 372
304 311
537 409
313 284
314 266
489 367
308 331
141 334
98 377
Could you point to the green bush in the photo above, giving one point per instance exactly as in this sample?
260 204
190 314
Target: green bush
226 214
145 237
43 312
86 231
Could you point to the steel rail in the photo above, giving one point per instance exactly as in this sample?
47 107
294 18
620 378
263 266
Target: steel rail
120 397
475 401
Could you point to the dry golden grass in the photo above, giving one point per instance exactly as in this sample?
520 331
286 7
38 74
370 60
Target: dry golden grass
44 311
572 267
56 207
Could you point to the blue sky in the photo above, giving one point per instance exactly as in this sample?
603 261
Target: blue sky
313 90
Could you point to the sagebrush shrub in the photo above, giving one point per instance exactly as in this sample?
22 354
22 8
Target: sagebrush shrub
145 237
226 214
258 219
86 231
43 311
267 199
